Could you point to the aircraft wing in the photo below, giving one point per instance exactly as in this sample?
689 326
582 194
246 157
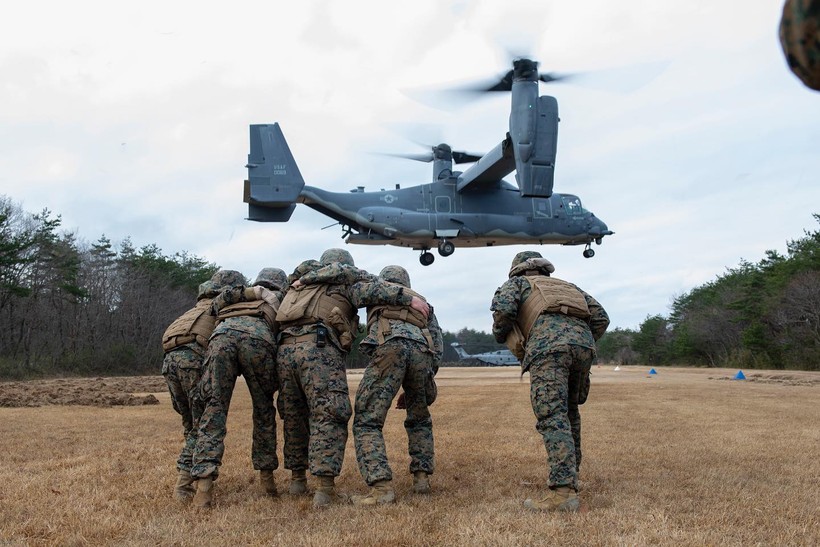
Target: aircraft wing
491 168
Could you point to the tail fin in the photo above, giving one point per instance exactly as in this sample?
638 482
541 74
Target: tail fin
274 181
460 351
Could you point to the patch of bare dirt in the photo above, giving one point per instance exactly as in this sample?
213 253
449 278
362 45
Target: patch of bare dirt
101 392
782 379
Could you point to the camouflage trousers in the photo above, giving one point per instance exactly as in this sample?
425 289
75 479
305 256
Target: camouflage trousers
182 369
315 407
555 381
230 354
396 363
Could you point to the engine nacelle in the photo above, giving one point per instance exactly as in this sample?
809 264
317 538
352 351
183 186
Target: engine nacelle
535 148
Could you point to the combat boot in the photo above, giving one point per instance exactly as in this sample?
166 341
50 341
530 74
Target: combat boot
298 482
326 493
421 482
204 492
562 498
184 489
381 492
266 479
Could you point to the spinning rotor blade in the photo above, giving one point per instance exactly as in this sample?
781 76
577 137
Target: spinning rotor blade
426 158
442 149
553 77
506 81
505 84
464 157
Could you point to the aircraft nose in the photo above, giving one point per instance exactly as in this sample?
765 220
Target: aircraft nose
598 228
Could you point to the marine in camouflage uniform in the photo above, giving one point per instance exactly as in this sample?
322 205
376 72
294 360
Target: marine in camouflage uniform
314 398
559 348
243 343
800 39
404 351
185 342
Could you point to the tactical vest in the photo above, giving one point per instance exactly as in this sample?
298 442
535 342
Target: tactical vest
383 313
195 325
547 295
551 295
253 308
312 303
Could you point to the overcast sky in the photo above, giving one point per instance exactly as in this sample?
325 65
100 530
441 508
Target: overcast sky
689 136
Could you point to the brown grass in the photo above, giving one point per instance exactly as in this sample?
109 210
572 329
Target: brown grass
679 458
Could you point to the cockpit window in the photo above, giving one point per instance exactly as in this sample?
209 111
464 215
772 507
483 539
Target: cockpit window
572 205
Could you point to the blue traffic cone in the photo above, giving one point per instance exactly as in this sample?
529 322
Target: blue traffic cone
652 371
739 375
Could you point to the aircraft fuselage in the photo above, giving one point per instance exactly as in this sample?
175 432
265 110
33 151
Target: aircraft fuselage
420 217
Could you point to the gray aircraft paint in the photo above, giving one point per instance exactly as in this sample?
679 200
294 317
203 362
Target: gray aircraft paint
474 208
502 357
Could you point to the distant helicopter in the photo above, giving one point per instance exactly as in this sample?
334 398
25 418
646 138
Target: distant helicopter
500 357
473 208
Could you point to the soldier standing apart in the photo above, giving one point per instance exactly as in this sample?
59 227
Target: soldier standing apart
243 342
404 348
551 325
184 342
318 321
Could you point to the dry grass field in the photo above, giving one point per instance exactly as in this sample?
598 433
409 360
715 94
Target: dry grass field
684 457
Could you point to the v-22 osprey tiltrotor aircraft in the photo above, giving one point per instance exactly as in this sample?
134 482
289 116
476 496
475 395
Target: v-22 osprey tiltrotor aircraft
473 208
499 357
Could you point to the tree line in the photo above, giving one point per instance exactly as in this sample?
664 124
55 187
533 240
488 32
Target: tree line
70 307
756 315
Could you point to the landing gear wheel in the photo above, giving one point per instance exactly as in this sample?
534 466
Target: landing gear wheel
427 258
588 253
445 248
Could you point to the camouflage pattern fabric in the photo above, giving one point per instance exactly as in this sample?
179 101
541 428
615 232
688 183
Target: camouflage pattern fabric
182 369
556 329
315 406
408 331
553 378
338 256
399 362
234 350
255 327
314 399
303 268
800 39
227 278
357 286
559 352
274 279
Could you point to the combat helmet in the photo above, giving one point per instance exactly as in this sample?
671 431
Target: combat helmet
800 40
530 260
336 255
395 274
207 290
272 278
304 267
227 278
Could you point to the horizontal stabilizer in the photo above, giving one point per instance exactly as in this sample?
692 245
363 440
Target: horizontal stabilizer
270 214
